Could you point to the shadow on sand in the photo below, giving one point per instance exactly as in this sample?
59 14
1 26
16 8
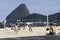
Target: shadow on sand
48 37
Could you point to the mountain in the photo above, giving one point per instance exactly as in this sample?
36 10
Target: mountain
1 25
35 18
55 18
20 12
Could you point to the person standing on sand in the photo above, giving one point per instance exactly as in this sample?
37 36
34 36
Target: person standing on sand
16 29
30 29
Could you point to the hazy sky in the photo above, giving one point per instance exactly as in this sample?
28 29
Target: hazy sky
35 6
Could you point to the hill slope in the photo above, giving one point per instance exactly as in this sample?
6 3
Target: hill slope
20 12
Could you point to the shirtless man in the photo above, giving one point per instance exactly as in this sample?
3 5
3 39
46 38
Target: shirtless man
52 29
15 29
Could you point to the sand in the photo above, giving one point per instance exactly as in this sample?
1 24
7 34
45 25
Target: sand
37 31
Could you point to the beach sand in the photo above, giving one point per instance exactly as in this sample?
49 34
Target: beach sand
38 33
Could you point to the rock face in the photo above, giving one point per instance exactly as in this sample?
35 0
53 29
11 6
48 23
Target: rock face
35 18
20 12
55 18
1 25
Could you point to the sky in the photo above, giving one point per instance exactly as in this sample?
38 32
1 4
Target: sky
45 7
